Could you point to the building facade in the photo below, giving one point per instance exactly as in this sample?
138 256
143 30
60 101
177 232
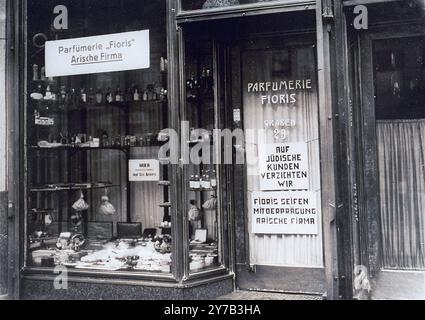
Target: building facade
184 149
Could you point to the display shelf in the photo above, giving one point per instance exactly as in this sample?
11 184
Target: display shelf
72 187
165 205
203 190
164 183
70 106
70 147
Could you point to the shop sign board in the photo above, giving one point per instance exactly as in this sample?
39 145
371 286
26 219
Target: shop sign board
143 170
98 54
284 166
285 212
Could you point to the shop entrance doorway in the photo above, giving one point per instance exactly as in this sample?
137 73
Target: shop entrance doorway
278 238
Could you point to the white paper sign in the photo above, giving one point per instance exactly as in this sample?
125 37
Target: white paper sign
285 212
143 170
284 166
106 53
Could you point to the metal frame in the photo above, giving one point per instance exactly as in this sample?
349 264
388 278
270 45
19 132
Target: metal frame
16 102
15 97
243 10
363 2
222 214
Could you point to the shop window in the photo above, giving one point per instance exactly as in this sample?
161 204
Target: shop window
188 5
400 128
201 172
97 196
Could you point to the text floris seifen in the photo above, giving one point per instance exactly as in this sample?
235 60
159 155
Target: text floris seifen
96 53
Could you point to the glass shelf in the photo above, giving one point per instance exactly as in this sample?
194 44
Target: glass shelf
69 147
72 187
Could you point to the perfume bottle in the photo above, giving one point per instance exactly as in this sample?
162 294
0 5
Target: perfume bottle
206 182
73 97
91 97
105 139
195 183
192 182
214 179
63 96
35 73
136 94
48 94
150 93
118 95
43 73
53 96
99 96
83 95
162 65
109 96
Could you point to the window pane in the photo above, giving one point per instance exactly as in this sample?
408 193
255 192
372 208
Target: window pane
400 131
201 175
97 196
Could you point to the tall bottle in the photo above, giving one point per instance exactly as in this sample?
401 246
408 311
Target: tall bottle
206 181
99 96
73 97
136 94
83 95
213 179
63 95
35 76
91 97
118 95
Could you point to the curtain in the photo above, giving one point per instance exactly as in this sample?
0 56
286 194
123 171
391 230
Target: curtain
401 146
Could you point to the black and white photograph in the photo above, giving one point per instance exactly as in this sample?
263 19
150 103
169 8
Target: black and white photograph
225 152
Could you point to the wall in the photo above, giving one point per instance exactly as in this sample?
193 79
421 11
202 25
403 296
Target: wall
3 195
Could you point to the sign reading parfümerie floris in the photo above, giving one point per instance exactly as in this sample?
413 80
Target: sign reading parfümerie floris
98 54
285 212
284 166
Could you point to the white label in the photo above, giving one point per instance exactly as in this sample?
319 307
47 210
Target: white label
107 53
285 212
143 170
237 115
284 166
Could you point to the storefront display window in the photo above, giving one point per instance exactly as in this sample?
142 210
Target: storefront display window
97 196
188 5
202 174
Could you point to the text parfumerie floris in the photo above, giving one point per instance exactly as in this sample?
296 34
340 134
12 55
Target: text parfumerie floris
284 86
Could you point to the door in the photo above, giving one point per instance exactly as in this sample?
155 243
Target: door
393 144
278 234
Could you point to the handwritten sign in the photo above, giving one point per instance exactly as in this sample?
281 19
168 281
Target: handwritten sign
284 166
143 170
285 212
98 54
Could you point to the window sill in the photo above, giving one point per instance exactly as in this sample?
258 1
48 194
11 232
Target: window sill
129 278
38 273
